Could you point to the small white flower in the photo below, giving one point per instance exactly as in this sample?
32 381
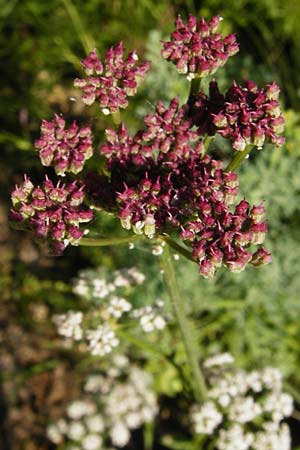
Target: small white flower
150 317
100 288
244 409
119 434
91 442
81 287
133 420
118 306
205 418
78 409
102 340
62 425
234 439
271 378
69 324
95 423
94 383
223 359
54 434
76 431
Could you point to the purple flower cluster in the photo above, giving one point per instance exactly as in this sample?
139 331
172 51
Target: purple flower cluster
221 237
112 82
161 182
167 136
66 149
197 49
245 115
53 213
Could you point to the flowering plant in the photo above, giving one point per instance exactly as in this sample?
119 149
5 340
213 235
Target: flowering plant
164 182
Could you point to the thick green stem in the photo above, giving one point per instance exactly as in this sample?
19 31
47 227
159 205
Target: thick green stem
207 141
185 326
237 160
102 242
116 117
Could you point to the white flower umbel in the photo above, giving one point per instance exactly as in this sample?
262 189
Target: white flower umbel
244 409
273 439
69 324
92 284
205 418
130 403
102 340
128 277
234 439
114 403
223 359
117 306
151 317
95 284
78 409
279 405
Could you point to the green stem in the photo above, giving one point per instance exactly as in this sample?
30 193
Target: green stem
184 325
207 140
102 242
237 160
116 117
178 248
155 350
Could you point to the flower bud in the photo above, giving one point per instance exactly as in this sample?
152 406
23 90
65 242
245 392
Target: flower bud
149 228
206 268
257 213
261 257
259 231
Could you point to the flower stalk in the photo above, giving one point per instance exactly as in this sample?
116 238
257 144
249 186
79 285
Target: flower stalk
103 242
185 325
238 159
179 248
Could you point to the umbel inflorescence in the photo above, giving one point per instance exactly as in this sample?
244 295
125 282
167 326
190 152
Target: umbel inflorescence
160 182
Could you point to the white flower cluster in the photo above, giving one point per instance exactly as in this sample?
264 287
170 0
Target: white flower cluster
117 306
96 328
219 360
151 317
94 284
113 404
244 410
205 418
69 324
101 340
129 405
83 427
128 277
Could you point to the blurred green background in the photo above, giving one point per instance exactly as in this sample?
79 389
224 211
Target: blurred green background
255 315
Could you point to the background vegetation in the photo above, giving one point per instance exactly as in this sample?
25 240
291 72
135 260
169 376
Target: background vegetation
254 315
